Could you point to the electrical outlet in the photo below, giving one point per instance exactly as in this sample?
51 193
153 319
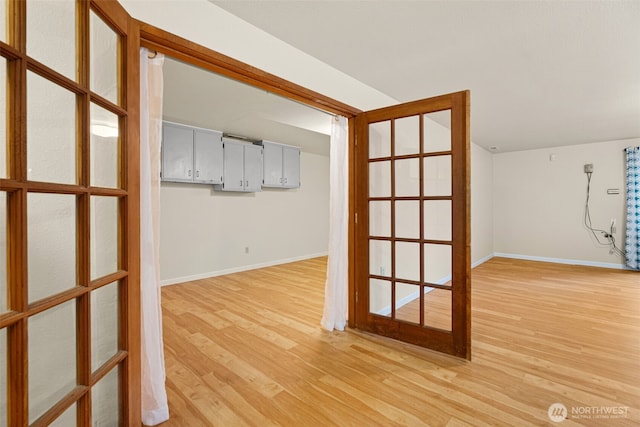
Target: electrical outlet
588 168
382 270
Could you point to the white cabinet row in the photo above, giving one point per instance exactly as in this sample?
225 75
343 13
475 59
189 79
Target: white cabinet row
281 165
191 154
204 156
242 167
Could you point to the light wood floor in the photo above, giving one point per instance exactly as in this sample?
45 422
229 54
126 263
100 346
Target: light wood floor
247 349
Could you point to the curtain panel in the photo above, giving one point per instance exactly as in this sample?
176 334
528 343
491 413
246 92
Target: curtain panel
155 407
336 285
632 242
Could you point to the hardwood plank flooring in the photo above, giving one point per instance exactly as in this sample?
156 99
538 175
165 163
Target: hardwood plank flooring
247 350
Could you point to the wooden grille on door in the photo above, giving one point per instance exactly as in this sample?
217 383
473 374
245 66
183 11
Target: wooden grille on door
68 288
412 235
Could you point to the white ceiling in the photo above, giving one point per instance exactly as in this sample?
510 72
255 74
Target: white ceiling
197 97
541 73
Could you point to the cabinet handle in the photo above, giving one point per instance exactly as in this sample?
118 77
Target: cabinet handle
240 183
197 174
285 180
189 172
246 184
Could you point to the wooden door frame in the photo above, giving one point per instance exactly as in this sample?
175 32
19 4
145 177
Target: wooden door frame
17 186
456 341
185 50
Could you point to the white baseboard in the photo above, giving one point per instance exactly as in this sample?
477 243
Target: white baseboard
482 260
173 281
562 261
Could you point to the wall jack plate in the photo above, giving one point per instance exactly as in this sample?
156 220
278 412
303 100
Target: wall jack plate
588 168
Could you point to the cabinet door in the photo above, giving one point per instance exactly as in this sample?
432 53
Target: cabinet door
233 166
177 153
272 173
252 167
291 167
208 157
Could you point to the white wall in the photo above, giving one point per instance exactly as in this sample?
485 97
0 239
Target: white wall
481 205
539 202
208 25
205 232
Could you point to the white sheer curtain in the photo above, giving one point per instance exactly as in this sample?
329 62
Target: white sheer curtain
155 407
336 285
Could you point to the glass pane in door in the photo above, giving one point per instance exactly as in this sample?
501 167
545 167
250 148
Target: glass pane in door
380 179
437 264
104 59
437 176
105 399
104 324
3 114
408 302
3 252
407 261
3 21
51 34
437 308
407 135
437 132
104 148
51 232
52 357
380 218
3 378
380 258
380 139
380 297
104 236
407 219
407 177
51 131
437 220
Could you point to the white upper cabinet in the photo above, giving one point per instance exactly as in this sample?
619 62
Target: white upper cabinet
290 166
252 167
242 167
281 165
191 154
208 156
177 153
272 164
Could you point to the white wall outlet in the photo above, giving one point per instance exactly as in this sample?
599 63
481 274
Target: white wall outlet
382 270
588 168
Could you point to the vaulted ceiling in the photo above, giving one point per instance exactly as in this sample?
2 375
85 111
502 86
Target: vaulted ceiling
541 73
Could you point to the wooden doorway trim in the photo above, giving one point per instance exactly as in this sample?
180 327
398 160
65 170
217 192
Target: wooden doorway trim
185 50
179 48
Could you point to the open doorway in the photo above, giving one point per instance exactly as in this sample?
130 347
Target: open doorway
206 233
